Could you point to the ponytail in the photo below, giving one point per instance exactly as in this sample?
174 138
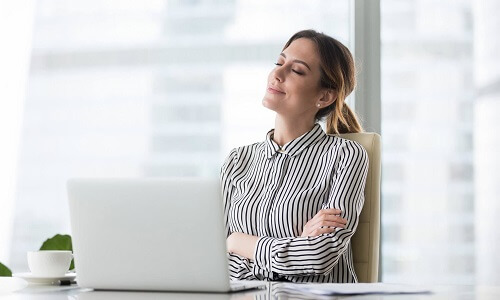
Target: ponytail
342 120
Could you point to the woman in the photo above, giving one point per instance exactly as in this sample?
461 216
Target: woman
292 202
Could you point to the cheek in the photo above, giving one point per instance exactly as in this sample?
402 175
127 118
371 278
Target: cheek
270 77
313 89
305 93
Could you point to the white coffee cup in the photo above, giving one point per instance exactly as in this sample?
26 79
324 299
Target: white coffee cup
49 263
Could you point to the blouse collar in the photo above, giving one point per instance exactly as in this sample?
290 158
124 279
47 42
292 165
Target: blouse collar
295 146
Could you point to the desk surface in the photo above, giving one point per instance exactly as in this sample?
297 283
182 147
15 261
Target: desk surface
272 292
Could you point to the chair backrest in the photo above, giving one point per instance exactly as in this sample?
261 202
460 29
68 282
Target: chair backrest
365 242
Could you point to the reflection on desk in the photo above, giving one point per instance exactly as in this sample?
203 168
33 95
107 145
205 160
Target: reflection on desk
116 295
273 292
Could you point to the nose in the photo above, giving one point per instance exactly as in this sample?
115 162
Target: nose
278 74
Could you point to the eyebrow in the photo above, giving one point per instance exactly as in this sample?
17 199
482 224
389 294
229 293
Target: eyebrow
298 61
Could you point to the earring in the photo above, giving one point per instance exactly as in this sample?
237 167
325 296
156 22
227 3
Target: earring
318 105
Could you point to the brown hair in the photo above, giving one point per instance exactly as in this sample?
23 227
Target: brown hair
338 74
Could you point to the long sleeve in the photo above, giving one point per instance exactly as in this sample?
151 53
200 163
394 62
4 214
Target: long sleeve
227 187
239 267
301 256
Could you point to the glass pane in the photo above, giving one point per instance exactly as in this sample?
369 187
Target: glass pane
427 129
146 88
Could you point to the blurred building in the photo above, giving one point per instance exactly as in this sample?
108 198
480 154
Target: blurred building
487 140
160 88
427 134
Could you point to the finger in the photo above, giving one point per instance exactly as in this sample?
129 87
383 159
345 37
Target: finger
333 218
320 215
317 231
337 219
332 211
322 230
328 211
327 218
327 224
331 224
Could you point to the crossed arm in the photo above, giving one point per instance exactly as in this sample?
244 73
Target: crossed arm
325 221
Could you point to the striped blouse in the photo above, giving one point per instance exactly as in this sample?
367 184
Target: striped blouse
272 192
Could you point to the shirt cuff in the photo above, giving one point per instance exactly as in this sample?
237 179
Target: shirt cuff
263 253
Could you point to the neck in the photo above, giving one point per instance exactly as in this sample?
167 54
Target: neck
286 130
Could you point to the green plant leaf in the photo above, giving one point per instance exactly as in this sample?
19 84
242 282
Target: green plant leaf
59 242
4 271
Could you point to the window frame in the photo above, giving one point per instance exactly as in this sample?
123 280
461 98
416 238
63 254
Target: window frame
365 41
365 28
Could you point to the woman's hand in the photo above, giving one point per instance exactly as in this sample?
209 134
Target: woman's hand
325 221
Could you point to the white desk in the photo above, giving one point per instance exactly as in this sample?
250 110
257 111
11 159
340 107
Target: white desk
76 293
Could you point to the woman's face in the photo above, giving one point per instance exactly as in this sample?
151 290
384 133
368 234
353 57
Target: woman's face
293 88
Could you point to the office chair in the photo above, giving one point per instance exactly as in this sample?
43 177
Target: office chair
366 240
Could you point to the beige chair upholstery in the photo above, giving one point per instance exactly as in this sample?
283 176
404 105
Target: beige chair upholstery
366 240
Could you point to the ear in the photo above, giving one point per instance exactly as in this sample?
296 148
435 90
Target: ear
327 97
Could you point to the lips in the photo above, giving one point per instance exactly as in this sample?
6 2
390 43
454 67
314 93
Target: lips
274 90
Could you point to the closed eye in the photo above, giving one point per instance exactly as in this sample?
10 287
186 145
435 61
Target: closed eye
295 71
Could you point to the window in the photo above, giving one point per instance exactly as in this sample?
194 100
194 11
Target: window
168 87
427 133
156 88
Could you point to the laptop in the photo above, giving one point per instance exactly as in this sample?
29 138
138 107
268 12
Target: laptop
150 235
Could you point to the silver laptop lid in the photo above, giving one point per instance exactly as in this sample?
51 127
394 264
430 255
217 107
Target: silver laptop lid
148 234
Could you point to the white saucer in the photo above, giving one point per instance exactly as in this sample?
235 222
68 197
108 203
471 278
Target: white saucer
29 277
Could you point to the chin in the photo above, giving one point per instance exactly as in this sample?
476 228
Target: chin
268 104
